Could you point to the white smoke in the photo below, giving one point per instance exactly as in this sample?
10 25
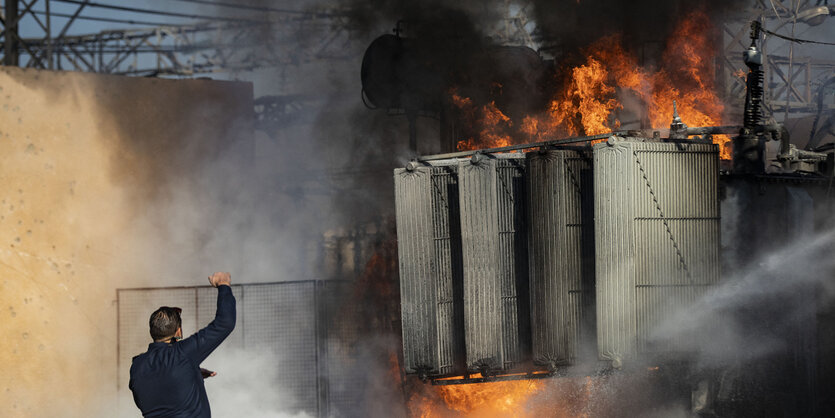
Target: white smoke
245 385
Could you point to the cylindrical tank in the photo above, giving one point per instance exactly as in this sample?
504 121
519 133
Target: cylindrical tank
656 242
414 74
561 255
397 74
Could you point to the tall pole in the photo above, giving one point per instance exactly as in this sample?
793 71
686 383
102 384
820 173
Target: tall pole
789 77
48 37
10 52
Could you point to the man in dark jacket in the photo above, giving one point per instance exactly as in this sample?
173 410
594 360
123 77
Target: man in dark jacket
167 380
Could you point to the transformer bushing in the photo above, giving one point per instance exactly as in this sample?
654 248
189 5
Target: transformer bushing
749 146
678 129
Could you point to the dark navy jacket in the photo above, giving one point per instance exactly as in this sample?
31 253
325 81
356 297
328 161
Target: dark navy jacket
166 380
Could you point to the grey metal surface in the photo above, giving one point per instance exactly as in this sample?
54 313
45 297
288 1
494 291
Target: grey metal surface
428 234
767 219
561 277
656 240
512 202
480 251
415 248
449 274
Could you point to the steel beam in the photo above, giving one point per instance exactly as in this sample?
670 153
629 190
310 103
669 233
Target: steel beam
10 33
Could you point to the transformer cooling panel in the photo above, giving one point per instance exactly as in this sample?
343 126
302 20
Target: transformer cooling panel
430 274
561 255
656 241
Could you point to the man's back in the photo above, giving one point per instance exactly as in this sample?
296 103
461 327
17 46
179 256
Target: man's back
166 380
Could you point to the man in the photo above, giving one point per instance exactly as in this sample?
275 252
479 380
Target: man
167 380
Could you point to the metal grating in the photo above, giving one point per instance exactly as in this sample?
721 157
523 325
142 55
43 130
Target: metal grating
281 319
561 246
430 268
338 364
657 239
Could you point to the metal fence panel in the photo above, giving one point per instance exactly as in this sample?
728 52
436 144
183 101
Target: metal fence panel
281 319
339 367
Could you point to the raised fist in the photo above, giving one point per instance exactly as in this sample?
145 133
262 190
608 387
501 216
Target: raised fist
220 278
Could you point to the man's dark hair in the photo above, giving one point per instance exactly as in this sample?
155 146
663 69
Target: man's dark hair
164 322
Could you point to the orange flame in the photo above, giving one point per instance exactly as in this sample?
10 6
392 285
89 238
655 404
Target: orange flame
494 399
493 122
593 91
499 399
565 397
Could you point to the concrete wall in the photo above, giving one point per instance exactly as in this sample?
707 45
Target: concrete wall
86 163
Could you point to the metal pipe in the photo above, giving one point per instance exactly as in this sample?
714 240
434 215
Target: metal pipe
412 118
713 130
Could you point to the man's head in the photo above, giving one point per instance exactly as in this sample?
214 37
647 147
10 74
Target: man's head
165 323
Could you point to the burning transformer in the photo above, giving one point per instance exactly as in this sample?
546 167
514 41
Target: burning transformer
506 258
580 256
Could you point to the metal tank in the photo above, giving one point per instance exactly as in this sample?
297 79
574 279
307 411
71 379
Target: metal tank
656 241
561 246
770 233
428 240
494 251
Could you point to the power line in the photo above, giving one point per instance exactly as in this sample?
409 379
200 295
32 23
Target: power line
800 41
262 8
159 12
122 35
102 19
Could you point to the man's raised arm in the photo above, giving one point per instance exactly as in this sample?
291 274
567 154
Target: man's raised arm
202 343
